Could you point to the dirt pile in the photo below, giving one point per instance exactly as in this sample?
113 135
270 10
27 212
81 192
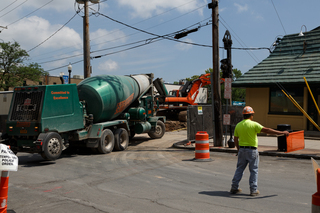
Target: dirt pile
175 125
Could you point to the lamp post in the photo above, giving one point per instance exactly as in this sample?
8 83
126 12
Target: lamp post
69 70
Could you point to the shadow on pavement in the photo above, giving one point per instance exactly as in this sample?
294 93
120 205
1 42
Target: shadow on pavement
227 194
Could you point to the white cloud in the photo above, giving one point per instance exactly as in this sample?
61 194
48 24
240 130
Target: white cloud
145 9
30 32
101 37
241 8
184 46
108 66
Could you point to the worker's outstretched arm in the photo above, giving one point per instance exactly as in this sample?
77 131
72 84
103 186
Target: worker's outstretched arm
274 132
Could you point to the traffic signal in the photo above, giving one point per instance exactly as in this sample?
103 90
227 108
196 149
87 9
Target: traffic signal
225 68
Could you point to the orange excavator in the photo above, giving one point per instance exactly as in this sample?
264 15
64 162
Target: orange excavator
178 102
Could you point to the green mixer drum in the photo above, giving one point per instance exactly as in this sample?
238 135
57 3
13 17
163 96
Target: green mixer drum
106 96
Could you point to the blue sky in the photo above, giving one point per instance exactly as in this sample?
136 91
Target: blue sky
252 23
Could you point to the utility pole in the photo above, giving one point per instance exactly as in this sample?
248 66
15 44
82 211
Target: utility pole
86 41
215 76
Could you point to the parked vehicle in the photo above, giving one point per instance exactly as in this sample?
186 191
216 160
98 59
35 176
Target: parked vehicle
101 113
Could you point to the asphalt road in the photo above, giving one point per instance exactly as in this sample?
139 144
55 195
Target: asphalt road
153 177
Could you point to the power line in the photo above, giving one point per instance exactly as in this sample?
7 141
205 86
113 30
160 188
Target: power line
135 24
152 18
8 6
130 48
14 8
240 42
278 17
149 32
54 32
30 13
64 66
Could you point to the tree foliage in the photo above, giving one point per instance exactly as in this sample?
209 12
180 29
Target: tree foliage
13 71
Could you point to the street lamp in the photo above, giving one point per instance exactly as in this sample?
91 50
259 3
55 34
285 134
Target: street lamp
301 34
69 70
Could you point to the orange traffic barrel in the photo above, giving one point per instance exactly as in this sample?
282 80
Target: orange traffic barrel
4 186
202 150
316 196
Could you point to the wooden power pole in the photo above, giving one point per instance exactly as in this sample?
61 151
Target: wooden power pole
86 41
215 76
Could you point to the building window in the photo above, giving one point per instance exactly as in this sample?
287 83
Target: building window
280 103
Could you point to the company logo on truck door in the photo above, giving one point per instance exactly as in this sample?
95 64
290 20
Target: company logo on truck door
123 104
60 93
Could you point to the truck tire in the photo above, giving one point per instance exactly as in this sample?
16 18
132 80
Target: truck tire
121 139
159 131
183 116
52 146
106 142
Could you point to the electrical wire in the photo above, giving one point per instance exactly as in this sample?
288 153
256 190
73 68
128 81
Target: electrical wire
278 17
134 24
59 59
14 8
145 40
130 48
241 43
30 13
64 66
8 6
54 33
119 22
151 18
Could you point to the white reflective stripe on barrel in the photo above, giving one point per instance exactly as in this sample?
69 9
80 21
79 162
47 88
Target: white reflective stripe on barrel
202 151
202 141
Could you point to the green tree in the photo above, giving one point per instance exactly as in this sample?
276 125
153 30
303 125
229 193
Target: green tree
13 71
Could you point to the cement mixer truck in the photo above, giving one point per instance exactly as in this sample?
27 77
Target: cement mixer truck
101 113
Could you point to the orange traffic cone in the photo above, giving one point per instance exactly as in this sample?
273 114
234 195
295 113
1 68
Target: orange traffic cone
202 150
316 196
4 186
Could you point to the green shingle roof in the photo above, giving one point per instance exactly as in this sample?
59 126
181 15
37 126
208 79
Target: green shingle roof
293 58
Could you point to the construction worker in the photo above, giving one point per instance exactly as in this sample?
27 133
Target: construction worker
246 141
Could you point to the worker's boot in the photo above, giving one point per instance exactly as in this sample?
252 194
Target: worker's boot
235 191
255 193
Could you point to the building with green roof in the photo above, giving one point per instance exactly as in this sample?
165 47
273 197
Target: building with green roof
292 58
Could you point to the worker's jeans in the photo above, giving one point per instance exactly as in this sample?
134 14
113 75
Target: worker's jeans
246 156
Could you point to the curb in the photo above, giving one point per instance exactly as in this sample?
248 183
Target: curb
181 145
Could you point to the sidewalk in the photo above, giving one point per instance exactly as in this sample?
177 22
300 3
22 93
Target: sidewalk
268 145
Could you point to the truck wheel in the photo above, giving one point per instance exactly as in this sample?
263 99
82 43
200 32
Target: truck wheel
121 139
106 142
52 146
159 131
183 116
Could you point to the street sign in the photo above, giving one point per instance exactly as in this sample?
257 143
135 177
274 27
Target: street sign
200 112
66 79
226 119
9 161
227 88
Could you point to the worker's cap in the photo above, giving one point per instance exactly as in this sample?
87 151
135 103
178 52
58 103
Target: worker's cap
247 110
